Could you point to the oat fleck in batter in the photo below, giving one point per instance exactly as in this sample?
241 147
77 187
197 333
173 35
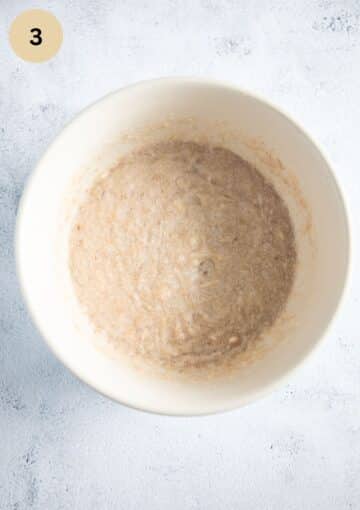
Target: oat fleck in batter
182 255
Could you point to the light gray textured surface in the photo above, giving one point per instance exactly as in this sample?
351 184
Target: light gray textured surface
62 446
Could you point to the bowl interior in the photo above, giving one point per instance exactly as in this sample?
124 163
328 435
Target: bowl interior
193 110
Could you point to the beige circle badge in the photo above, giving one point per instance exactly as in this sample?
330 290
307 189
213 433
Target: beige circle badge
35 35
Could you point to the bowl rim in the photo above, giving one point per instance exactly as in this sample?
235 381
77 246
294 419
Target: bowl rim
278 381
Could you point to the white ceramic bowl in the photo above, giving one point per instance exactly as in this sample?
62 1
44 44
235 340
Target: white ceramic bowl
221 114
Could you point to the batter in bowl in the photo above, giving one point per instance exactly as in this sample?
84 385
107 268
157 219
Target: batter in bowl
182 255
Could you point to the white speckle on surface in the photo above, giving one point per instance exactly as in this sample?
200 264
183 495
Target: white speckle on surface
62 446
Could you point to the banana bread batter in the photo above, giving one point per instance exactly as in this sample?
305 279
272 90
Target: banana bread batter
182 255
